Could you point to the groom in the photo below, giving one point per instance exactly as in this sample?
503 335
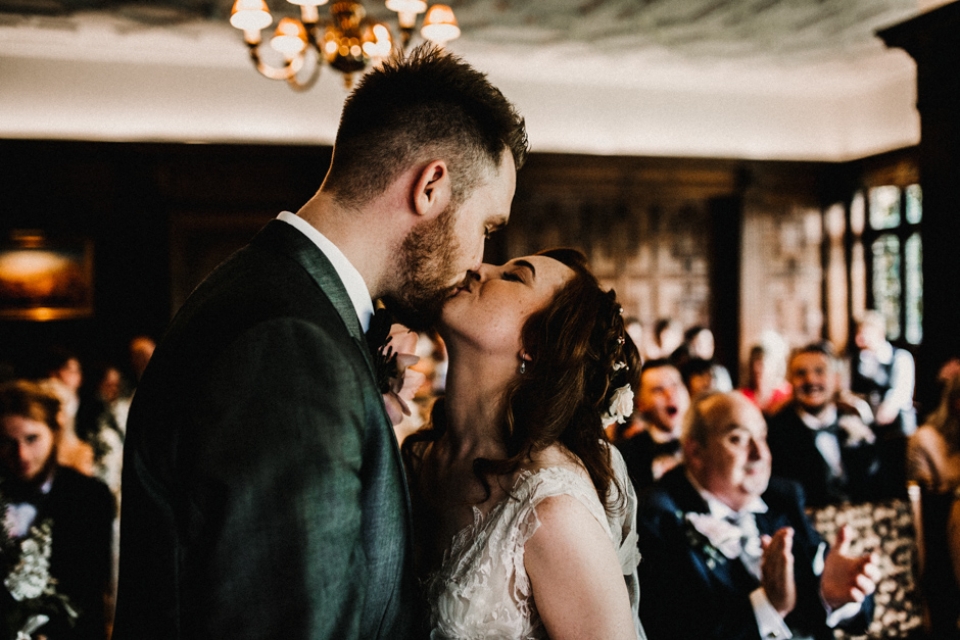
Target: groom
263 491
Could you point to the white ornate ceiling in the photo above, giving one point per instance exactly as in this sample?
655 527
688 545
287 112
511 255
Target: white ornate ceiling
801 79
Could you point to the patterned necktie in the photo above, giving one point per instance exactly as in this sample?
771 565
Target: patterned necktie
751 551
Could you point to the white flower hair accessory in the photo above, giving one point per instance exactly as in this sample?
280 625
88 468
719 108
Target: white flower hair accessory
621 406
619 365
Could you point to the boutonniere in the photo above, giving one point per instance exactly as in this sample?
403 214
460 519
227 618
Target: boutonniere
718 539
384 358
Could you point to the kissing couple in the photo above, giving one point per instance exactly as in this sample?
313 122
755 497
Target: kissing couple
265 495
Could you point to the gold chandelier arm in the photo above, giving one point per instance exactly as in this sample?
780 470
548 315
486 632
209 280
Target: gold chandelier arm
274 73
296 84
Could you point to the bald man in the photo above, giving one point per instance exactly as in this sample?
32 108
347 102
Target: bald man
728 552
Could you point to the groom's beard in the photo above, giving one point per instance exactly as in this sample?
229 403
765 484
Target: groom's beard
426 258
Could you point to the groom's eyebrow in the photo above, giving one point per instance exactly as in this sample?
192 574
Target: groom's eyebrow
524 263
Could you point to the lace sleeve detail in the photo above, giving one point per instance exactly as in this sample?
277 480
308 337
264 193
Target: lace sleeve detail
623 522
531 490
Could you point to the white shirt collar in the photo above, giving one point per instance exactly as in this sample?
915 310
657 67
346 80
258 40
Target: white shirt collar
719 509
823 419
351 278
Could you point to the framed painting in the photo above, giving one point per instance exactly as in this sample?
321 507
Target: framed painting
45 279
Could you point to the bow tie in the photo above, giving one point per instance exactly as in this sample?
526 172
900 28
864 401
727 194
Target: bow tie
668 448
378 341
17 493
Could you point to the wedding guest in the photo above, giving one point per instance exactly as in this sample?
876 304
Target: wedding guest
666 337
699 344
263 493
39 491
728 552
699 377
766 384
141 349
821 444
524 516
64 371
64 377
933 462
662 402
634 330
884 376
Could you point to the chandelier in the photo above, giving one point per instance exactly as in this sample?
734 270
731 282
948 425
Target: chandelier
348 41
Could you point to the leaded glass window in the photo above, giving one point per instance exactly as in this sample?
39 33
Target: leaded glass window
886 281
892 247
913 298
884 207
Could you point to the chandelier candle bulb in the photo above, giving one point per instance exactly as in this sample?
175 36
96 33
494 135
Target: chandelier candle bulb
308 9
407 11
250 15
347 41
440 25
290 38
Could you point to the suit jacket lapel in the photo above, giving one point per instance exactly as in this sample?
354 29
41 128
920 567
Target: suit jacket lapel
290 241
728 572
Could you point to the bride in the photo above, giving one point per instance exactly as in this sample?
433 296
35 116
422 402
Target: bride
524 515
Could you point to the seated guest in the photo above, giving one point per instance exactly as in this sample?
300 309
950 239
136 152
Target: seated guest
666 337
768 575
933 462
698 344
766 385
661 404
823 445
701 376
884 377
78 509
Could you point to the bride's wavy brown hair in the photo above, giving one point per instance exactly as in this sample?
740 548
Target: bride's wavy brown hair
577 343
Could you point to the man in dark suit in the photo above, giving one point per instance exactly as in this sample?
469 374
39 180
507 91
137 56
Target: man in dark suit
728 553
78 509
263 491
822 444
662 402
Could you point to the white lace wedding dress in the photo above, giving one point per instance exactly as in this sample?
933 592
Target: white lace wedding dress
482 590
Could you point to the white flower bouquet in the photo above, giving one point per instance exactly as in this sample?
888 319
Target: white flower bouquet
29 599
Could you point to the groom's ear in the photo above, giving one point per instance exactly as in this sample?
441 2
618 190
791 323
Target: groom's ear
432 189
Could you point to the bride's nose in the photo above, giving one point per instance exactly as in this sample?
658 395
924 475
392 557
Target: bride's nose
483 272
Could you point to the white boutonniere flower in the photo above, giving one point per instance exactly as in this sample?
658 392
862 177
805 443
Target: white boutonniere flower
720 534
621 406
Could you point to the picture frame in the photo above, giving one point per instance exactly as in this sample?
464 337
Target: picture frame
44 278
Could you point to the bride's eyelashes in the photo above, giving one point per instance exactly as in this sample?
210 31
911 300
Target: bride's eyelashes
510 275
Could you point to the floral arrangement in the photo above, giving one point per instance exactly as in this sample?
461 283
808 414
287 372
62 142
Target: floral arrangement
29 598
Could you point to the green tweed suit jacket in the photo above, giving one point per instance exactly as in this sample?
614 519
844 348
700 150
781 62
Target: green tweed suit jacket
263 493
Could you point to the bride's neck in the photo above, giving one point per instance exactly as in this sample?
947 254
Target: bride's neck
475 405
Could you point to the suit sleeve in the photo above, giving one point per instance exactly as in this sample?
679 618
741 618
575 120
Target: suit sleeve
273 488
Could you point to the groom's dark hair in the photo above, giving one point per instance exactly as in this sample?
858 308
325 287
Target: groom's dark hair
416 108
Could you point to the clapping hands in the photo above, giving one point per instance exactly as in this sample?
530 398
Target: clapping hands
776 570
847 578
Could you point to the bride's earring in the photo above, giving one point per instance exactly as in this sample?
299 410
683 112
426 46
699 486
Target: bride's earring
524 358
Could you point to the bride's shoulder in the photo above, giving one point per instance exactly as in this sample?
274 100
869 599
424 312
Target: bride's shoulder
556 456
